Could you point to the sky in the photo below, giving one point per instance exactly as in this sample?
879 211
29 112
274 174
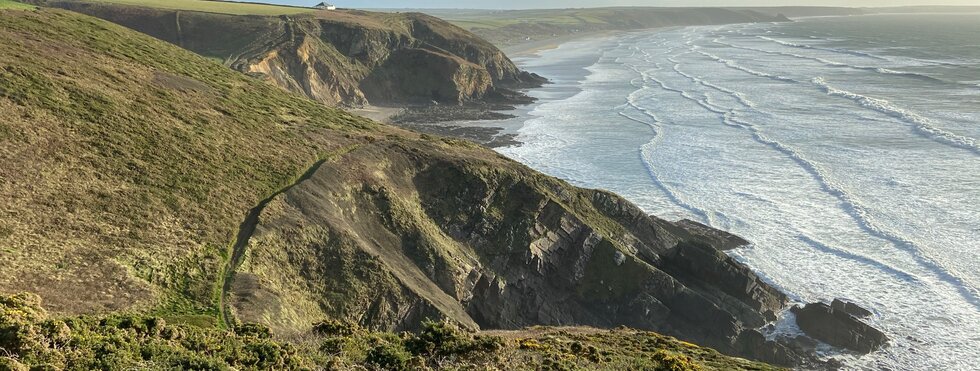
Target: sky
525 4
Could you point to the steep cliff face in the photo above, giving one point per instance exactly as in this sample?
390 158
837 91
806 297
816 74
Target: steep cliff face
433 228
336 57
422 75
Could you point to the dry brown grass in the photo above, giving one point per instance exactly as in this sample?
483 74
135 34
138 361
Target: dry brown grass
127 162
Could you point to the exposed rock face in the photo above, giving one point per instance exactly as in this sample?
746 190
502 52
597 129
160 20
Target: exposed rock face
423 231
715 237
835 325
336 57
422 75
850 308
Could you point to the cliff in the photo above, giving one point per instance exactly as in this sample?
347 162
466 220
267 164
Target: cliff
342 57
453 231
138 177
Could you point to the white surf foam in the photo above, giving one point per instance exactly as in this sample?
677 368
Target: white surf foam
923 125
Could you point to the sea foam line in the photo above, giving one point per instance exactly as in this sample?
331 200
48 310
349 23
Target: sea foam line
924 126
731 64
852 206
921 124
807 46
830 63
656 126
863 259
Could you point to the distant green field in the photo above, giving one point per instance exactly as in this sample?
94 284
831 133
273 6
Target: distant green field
8 4
226 7
497 19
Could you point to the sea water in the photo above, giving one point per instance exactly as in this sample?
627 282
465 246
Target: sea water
847 149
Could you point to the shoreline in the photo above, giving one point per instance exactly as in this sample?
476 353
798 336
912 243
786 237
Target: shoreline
498 128
533 47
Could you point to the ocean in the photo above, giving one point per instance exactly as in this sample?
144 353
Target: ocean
847 149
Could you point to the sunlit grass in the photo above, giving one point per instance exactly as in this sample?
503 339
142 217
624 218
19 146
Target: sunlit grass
226 7
9 4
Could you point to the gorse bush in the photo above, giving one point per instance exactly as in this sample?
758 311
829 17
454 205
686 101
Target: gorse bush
30 338
668 361
435 344
446 339
388 356
332 327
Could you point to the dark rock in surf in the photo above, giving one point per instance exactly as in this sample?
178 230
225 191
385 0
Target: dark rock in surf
850 308
834 325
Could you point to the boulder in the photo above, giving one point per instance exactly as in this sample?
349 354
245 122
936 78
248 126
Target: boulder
850 308
834 325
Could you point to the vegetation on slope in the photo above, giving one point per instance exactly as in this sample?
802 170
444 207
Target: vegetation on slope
339 57
133 170
30 338
129 162
10 4
216 6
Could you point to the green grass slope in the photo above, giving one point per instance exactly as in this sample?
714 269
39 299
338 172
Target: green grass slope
157 200
215 6
10 4
339 57
129 162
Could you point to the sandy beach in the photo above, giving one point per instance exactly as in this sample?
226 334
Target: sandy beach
534 47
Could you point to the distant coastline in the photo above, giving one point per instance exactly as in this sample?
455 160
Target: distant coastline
533 47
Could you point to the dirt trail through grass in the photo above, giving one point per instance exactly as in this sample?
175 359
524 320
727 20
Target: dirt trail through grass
247 228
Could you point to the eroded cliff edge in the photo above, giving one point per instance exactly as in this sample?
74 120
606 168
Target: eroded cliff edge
343 57
391 233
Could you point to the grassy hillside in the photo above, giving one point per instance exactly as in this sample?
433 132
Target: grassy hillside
214 6
129 163
10 4
340 57
159 202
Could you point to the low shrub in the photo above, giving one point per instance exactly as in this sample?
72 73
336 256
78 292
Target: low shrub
668 361
29 338
442 339
332 327
388 356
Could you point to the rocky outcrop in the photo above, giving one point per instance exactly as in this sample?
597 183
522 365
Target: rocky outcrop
711 236
837 325
489 244
343 57
855 310
421 76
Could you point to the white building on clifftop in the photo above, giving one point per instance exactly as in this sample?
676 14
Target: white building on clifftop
325 6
